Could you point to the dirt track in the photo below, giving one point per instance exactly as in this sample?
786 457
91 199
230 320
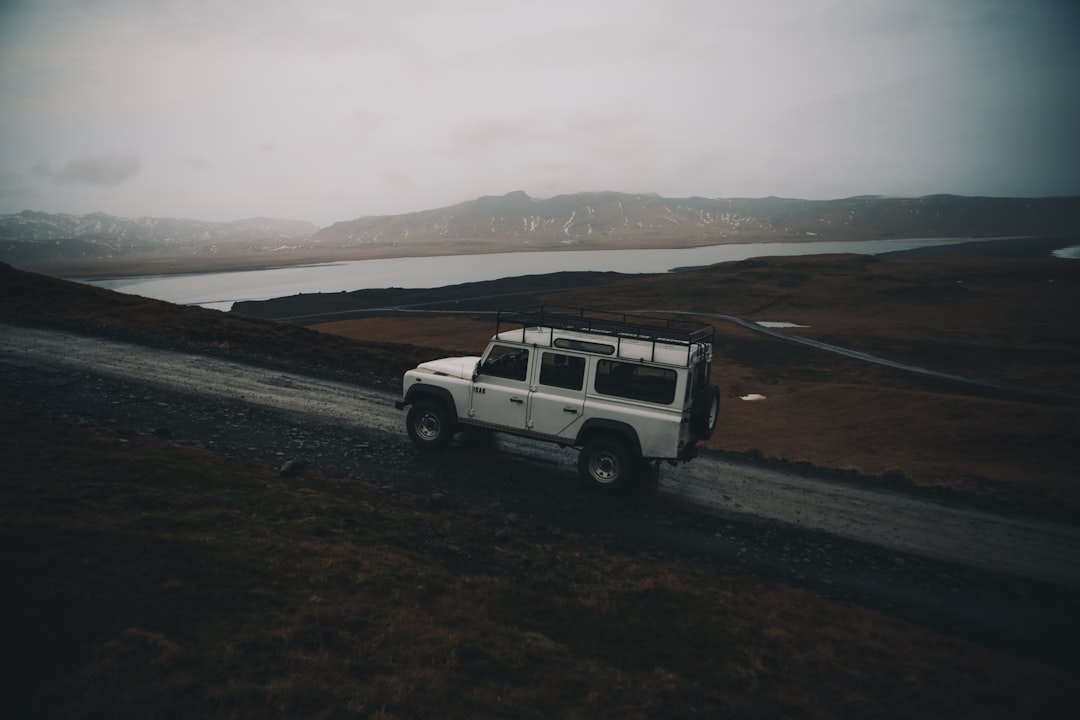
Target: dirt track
959 568
1027 547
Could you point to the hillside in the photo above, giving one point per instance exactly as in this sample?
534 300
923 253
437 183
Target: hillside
153 579
152 575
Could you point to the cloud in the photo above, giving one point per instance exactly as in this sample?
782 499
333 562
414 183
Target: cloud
196 162
13 188
330 109
108 170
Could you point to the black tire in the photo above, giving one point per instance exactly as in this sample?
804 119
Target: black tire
605 465
429 425
706 411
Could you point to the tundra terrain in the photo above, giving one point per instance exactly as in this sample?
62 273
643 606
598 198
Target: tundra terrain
242 543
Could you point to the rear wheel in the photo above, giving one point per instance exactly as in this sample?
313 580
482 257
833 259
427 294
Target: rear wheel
429 425
605 465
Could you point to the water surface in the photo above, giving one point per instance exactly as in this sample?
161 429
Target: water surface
219 290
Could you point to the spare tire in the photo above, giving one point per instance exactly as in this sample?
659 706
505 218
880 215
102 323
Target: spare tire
704 413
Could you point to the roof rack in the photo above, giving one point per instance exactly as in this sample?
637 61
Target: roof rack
607 322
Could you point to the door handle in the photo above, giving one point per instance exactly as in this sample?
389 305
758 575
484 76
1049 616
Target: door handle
516 400
571 410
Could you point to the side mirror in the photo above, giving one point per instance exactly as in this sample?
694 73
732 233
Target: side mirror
476 371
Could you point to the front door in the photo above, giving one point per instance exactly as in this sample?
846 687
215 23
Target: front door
500 392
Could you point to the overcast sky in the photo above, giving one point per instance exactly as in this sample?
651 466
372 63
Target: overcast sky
327 110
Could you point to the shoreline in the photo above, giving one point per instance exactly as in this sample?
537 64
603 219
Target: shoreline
177 266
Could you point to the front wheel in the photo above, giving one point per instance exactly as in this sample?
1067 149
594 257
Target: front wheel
429 425
605 465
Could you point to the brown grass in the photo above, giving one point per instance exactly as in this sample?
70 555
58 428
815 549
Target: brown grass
458 335
147 580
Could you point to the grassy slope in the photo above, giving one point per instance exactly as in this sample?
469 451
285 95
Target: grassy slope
30 298
148 580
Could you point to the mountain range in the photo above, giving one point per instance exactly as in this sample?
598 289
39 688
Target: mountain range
515 221
34 237
592 218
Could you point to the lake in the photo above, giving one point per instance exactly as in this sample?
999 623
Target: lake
219 290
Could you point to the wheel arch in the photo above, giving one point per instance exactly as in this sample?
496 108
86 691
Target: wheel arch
601 427
419 392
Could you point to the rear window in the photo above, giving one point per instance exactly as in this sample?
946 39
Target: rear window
636 382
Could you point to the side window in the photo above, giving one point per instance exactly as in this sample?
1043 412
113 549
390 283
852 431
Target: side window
585 346
637 382
506 361
562 371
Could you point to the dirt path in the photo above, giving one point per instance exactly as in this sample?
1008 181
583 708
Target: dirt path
1020 546
1015 546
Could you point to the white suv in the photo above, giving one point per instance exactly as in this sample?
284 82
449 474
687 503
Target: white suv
625 389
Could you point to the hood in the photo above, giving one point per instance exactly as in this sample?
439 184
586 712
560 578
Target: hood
459 367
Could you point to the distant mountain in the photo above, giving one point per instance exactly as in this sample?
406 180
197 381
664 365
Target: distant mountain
565 219
604 218
33 237
515 221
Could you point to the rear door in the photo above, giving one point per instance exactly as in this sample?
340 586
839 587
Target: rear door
557 400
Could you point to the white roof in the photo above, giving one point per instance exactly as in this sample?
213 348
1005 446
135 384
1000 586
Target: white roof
658 351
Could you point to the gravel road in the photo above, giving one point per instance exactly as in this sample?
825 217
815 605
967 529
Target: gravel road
1007 581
